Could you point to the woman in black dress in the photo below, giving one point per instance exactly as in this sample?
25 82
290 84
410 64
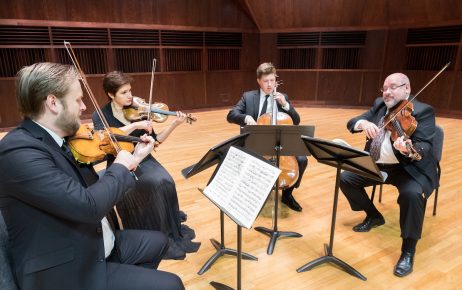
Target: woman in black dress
154 203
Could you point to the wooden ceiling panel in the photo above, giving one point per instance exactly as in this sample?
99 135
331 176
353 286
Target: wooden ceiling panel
203 13
312 15
179 14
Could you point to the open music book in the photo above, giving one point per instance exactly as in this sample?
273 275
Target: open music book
242 185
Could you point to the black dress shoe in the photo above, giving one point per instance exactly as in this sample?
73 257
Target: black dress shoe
290 201
404 265
368 224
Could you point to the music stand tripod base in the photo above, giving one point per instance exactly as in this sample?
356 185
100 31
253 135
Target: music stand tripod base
220 286
329 258
274 235
221 249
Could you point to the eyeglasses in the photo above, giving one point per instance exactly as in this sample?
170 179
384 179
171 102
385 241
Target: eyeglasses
392 88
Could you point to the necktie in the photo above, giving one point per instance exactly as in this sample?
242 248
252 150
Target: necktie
67 150
265 106
376 144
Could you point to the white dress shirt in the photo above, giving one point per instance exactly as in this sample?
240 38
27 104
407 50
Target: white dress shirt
386 150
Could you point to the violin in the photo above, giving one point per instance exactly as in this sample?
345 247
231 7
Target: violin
287 164
139 110
400 122
88 145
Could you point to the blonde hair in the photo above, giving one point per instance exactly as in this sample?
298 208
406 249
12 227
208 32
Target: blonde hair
37 81
265 68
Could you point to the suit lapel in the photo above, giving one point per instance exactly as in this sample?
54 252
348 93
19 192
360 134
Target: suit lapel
256 104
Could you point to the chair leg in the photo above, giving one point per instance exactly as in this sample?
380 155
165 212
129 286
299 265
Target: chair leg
435 203
380 193
373 193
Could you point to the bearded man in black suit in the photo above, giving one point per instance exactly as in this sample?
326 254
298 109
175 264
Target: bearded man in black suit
55 208
415 179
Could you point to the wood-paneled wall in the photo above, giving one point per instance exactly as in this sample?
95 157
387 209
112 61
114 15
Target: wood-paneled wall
384 50
304 15
196 14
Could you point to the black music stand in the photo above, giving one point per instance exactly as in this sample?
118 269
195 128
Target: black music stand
240 192
279 140
239 255
216 155
349 159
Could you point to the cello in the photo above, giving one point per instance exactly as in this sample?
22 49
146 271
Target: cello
288 164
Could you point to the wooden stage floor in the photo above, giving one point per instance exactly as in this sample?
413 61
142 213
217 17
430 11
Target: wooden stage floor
438 261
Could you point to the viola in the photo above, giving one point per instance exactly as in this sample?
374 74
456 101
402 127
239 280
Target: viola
88 145
139 110
400 122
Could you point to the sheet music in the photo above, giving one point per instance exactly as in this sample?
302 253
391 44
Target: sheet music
242 185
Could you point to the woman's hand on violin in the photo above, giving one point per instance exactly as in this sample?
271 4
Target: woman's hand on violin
370 129
144 125
280 99
180 118
400 145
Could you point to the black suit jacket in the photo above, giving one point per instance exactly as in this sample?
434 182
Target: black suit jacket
249 104
423 171
53 219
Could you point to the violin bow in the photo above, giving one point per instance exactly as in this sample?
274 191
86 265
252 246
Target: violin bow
154 64
413 97
83 78
112 138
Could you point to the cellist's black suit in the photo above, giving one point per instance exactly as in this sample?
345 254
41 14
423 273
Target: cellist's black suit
249 105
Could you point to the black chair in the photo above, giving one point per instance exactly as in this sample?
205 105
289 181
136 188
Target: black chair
437 153
7 281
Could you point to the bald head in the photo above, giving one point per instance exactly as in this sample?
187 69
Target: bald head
398 78
396 87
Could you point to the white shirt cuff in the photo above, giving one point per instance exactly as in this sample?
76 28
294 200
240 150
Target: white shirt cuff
356 127
248 119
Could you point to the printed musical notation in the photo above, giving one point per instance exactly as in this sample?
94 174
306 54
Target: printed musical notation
242 185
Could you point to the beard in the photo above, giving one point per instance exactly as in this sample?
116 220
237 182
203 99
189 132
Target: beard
68 123
391 103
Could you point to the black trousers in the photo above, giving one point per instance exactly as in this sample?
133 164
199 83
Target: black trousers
302 164
410 198
133 262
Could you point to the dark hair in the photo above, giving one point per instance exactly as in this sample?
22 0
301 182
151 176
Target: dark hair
114 80
37 81
265 68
